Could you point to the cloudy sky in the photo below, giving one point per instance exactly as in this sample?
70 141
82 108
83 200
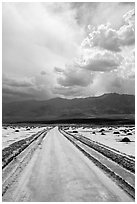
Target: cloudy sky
67 50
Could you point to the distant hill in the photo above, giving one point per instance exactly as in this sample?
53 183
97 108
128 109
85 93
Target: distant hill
107 105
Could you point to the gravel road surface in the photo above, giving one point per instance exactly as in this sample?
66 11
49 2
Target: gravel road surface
59 172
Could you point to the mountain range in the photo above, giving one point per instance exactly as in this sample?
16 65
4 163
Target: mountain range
107 105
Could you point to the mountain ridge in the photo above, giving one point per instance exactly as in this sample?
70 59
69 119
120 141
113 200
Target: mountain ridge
34 100
61 108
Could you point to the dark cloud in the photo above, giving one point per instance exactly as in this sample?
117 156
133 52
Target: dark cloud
18 94
101 65
69 92
11 94
108 82
16 82
102 61
74 76
11 91
23 89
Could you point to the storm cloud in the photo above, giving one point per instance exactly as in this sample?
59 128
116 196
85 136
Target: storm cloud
72 49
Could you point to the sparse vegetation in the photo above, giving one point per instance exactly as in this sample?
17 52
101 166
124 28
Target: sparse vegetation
94 132
118 158
102 130
125 139
129 133
75 131
116 132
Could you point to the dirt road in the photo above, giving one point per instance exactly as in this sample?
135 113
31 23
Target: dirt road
58 171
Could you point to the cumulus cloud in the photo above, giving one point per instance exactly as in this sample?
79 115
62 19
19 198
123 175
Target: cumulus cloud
74 76
105 37
81 73
129 17
102 61
107 82
96 73
112 82
127 68
99 72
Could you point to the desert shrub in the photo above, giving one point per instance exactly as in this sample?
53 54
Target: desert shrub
116 132
125 139
129 133
125 131
28 129
94 132
102 130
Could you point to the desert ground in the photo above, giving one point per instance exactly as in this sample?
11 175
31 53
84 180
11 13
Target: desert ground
110 136
68 163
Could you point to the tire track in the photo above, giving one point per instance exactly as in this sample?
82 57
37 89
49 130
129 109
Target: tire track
126 182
